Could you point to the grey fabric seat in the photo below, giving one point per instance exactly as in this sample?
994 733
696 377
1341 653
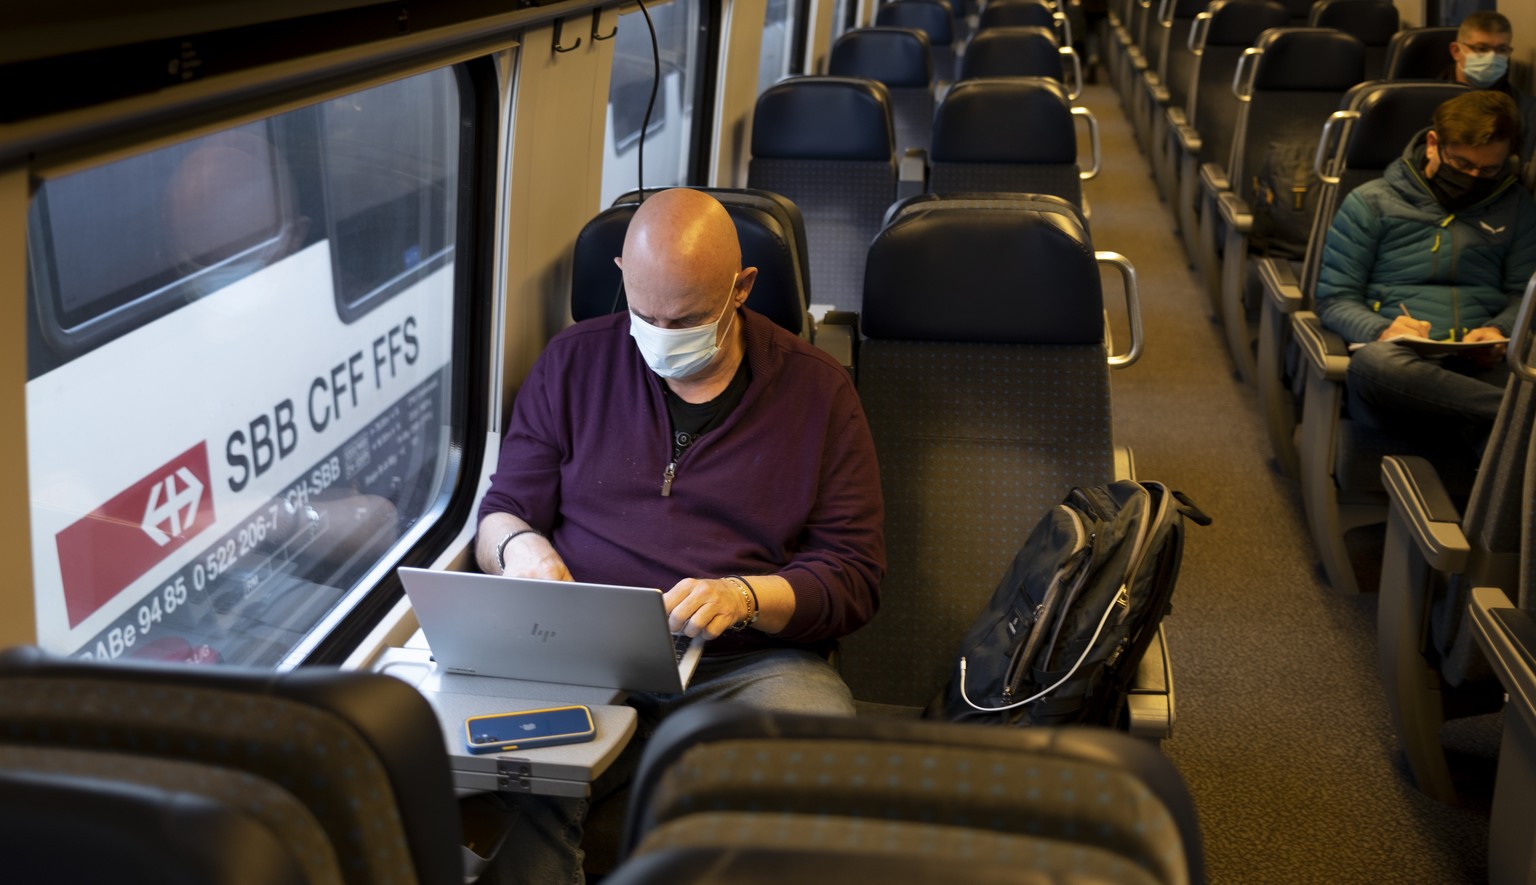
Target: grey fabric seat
850 792
1295 80
901 60
1164 92
773 240
363 753
1008 134
984 376
1375 119
1205 132
827 143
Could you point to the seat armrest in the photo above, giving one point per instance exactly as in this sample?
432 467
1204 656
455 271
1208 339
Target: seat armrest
1213 177
1420 499
1325 351
1189 138
1150 706
1150 79
1280 284
1175 117
838 335
1160 93
1508 637
1125 463
912 178
1235 211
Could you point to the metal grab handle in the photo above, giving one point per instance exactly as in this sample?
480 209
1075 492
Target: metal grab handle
1252 52
1093 141
1064 25
1519 351
1197 33
1330 145
1077 72
1132 306
1165 13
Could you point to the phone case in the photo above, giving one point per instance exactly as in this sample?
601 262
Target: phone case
499 732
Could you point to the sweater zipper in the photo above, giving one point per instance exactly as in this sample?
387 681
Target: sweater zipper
666 479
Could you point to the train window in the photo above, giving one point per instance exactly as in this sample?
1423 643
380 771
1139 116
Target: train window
843 12
239 386
669 137
780 32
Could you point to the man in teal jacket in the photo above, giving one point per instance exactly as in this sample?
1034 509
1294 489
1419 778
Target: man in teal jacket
1440 247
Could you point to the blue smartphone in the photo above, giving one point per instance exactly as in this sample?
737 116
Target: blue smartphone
527 729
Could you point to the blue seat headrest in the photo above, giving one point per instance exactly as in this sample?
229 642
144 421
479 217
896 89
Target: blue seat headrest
824 118
1309 60
1011 52
933 17
898 57
1372 22
772 237
1240 22
1391 113
1005 120
972 273
1012 13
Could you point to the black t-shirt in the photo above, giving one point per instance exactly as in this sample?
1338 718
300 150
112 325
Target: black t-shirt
692 420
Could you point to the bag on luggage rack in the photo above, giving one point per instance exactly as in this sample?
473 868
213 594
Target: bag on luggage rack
1069 623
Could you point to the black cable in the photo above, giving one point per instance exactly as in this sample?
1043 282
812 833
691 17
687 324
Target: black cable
645 125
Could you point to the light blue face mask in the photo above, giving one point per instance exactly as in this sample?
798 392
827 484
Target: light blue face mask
1483 69
678 353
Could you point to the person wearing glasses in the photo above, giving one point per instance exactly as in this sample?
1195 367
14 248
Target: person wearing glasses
1480 59
1440 247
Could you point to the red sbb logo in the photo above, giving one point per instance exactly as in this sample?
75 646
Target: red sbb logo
112 546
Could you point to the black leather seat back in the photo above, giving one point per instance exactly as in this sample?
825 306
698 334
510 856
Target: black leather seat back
772 236
1018 13
1012 134
1419 54
828 144
936 18
1234 26
1372 22
901 59
1179 60
1012 52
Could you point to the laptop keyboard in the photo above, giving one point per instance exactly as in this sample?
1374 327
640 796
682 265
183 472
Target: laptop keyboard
680 643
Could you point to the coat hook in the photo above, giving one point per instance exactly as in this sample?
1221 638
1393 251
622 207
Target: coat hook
559 22
597 19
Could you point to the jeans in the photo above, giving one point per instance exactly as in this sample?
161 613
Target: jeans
544 845
1431 399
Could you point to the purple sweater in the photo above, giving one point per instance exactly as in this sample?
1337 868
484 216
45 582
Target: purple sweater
788 485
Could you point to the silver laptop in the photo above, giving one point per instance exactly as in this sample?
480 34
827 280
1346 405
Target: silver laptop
550 631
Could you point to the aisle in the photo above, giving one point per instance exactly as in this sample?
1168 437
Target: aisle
1282 730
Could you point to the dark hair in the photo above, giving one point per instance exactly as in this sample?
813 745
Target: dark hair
1478 117
1487 21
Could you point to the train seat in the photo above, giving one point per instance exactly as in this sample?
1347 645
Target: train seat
73 816
772 236
1025 13
1431 665
900 59
1204 134
1166 86
1021 52
362 752
1375 119
1127 46
1372 22
1504 626
1419 54
1294 80
828 145
936 19
985 377
841 798
1009 134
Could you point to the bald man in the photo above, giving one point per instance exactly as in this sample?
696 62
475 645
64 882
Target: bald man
693 445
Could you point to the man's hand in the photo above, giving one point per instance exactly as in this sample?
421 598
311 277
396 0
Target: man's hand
704 607
1485 357
532 556
1405 326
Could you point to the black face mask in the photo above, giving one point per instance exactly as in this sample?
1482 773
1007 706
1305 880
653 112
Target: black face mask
1456 190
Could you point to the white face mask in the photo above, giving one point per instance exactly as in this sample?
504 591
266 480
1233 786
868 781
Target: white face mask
678 353
1483 69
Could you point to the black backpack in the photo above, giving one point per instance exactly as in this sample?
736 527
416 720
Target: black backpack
1285 193
1067 627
